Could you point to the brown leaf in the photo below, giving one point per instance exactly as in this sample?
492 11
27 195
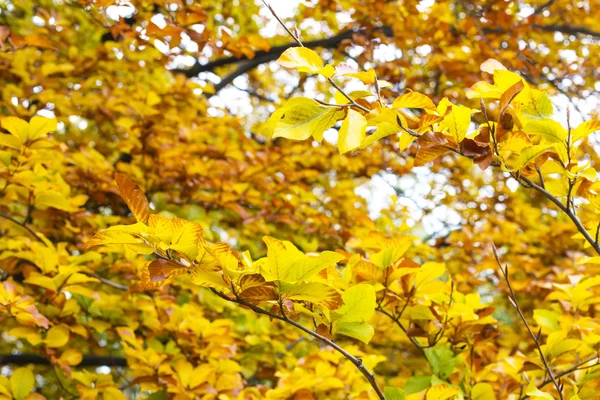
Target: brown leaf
134 197
161 269
260 293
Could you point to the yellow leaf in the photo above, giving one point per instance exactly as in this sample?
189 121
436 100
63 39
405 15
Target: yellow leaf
22 383
441 392
367 77
301 118
414 100
54 199
57 336
17 127
429 272
31 334
315 292
186 238
584 129
134 197
288 264
483 391
40 126
352 131
305 60
457 122
71 357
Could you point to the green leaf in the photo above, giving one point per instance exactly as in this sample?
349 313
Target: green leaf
441 359
358 330
393 393
301 118
21 383
359 304
416 384
352 131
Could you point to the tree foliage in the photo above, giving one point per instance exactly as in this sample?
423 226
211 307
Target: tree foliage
183 211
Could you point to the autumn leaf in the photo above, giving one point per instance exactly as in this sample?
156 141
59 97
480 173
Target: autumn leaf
305 60
301 118
414 100
286 263
161 269
134 197
352 131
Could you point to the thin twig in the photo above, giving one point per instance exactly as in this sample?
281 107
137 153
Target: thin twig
566 210
536 338
23 225
297 39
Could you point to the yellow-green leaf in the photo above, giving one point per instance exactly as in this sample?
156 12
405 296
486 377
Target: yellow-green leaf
288 264
550 130
531 153
358 330
359 304
301 118
22 383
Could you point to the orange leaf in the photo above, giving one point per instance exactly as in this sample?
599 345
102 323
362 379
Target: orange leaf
134 197
428 154
509 95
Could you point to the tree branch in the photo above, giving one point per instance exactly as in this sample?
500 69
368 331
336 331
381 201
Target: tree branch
536 338
354 360
88 360
566 210
261 57
568 29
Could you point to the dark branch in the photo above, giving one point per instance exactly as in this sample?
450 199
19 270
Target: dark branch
569 29
88 360
261 57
